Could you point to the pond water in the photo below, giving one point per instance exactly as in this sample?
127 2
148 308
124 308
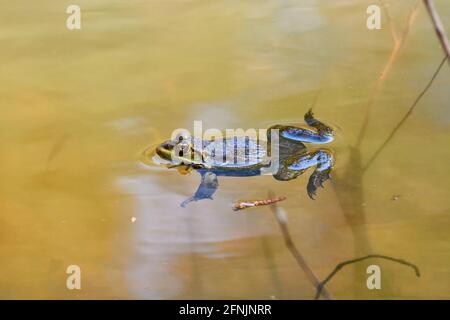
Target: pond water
79 107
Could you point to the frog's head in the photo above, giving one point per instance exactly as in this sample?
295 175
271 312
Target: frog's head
177 151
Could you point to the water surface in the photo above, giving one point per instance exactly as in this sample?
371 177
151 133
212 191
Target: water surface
79 107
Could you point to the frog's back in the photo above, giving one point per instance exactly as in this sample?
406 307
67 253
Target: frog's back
235 153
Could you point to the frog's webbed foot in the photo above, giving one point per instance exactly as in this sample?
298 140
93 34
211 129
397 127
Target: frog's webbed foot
321 127
316 180
321 159
321 134
206 189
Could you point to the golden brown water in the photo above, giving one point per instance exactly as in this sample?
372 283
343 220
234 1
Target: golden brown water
78 107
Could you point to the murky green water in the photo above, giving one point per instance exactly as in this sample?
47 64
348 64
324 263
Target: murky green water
78 107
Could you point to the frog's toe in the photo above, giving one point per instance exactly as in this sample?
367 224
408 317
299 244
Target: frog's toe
187 201
309 115
311 193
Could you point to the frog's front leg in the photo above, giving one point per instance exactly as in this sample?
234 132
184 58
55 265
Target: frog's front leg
206 189
296 165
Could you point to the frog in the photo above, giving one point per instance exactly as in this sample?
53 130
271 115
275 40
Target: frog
243 156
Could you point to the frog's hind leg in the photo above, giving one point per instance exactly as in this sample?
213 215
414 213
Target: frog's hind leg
321 133
321 159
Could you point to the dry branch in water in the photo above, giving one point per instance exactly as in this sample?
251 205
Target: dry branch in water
240 205
438 27
281 218
343 264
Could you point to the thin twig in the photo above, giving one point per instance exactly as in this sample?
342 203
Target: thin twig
241 205
280 215
343 264
405 117
438 27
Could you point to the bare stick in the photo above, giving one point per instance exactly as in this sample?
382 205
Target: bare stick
241 205
280 215
438 27
405 117
343 264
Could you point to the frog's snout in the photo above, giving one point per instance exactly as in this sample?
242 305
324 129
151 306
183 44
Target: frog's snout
164 150
167 145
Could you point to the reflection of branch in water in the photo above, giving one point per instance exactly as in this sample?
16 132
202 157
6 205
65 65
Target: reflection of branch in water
349 186
398 43
405 117
343 264
389 21
439 28
280 215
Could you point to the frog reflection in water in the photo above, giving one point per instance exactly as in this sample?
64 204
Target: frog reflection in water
249 158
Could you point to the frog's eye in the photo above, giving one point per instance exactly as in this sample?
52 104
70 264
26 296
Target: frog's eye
182 136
